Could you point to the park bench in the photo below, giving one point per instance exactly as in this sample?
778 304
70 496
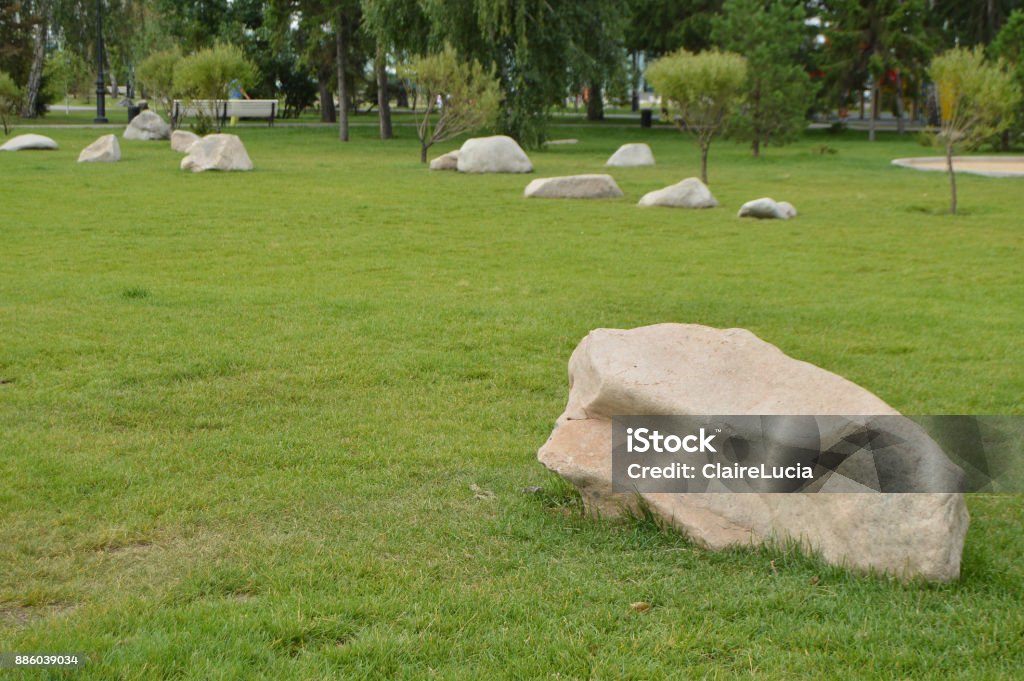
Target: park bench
223 109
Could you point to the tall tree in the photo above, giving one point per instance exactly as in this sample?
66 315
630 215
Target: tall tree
874 40
1009 46
398 27
778 90
40 10
971 22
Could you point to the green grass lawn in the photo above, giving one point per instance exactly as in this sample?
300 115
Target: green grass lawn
241 414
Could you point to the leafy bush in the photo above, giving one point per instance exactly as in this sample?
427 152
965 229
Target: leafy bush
469 96
977 99
155 74
210 74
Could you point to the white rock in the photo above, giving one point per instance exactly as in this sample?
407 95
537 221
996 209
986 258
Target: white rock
767 208
573 187
30 141
631 155
217 152
449 161
497 154
690 193
147 126
688 369
182 140
104 150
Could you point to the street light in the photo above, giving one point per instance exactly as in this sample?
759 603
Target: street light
101 104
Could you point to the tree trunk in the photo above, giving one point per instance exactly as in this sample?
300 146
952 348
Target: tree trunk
1004 141
339 46
595 103
874 111
952 178
383 97
755 146
328 113
35 76
704 162
423 152
899 103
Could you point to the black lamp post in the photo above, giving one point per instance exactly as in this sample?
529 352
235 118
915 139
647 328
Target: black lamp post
101 104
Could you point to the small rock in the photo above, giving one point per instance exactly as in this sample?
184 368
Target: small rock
631 156
27 142
449 161
147 126
104 150
217 152
182 140
690 193
574 187
767 209
496 154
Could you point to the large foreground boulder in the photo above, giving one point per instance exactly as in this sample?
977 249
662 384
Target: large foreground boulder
182 141
574 187
767 209
104 150
690 193
449 161
27 142
687 369
147 126
496 154
631 156
217 152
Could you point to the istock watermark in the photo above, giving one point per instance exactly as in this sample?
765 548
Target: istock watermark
817 454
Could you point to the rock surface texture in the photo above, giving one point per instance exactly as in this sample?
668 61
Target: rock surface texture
27 142
497 154
217 152
690 193
688 369
767 209
631 156
449 161
574 187
147 126
182 140
104 150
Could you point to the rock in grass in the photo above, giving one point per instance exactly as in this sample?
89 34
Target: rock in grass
104 150
767 208
496 154
574 187
690 193
182 140
689 369
147 126
449 161
631 156
217 152
29 142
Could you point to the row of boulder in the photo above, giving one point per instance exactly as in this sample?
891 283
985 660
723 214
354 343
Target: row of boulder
501 154
213 152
